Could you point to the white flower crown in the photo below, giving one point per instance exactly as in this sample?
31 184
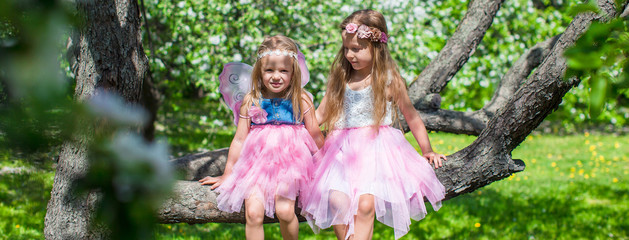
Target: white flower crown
278 52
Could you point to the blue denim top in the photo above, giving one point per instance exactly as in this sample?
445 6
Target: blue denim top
279 110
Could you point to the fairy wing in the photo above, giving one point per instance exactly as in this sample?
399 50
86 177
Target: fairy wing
305 74
235 83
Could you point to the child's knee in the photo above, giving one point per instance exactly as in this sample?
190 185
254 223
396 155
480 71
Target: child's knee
338 201
284 211
366 207
254 215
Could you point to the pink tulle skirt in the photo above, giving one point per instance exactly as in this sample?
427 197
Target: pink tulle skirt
361 161
274 160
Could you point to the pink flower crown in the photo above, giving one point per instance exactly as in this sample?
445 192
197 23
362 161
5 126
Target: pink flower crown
364 31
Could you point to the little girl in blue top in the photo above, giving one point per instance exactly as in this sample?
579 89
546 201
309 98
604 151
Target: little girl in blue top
271 154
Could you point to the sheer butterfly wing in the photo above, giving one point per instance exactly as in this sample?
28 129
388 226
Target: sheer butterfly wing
235 83
305 74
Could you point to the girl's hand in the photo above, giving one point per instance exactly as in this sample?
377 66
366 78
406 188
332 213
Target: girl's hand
214 181
435 159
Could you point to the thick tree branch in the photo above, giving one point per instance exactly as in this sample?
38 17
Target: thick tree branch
518 73
488 158
472 123
456 52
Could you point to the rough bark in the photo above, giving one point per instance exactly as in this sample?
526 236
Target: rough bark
472 123
486 160
150 100
111 58
200 165
456 52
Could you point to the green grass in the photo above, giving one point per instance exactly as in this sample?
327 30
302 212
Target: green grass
573 187
23 199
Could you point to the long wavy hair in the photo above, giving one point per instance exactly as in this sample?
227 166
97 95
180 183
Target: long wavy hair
384 72
293 92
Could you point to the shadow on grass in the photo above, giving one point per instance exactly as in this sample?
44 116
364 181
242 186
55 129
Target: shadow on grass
568 213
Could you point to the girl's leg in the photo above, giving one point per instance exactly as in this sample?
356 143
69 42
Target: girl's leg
363 227
340 231
339 205
254 215
285 212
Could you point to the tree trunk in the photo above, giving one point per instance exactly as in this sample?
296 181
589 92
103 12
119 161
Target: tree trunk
486 160
109 57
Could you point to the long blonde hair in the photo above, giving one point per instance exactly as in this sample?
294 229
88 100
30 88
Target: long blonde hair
293 92
384 72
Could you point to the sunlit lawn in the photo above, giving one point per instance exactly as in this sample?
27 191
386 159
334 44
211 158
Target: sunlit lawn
574 187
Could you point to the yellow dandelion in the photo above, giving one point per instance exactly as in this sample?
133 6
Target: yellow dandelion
440 141
586 134
510 177
615 180
549 155
615 158
477 225
586 176
594 153
169 227
480 192
533 160
517 179
599 144
571 175
572 169
609 163
579 163
592 148
557 170
526 177
581 171
587 142
529 138
18 225
616 145
450 147
560 157
553 164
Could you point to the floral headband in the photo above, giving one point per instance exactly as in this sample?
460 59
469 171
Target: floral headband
278 52
364 31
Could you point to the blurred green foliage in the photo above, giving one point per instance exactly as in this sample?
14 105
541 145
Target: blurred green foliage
34 94
601 57
38 114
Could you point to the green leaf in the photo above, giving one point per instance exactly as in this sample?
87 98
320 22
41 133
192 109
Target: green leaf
598 94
